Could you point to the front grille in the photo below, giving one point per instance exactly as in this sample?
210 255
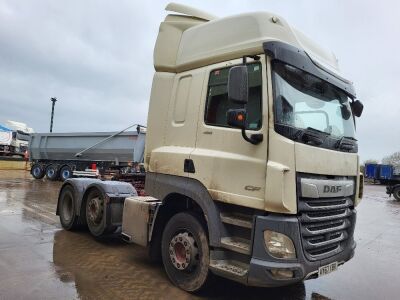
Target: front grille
326 225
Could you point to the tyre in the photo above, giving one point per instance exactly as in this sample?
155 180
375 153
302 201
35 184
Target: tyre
95 214
52 172
396 193
185 252
37 171
66 209
65 173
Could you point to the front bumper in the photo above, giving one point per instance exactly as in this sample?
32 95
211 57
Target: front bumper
262 262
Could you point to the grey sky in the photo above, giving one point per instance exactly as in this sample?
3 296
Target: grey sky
96 57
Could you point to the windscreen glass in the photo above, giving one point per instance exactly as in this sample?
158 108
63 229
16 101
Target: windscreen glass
304 101
20 135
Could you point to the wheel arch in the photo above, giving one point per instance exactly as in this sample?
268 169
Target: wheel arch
108 189
183 193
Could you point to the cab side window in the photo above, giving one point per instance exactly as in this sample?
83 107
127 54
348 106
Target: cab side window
218 104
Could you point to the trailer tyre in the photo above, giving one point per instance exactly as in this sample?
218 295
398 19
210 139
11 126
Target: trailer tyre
396 193
52 172
37 171
68 218
185 252
96 214
65 173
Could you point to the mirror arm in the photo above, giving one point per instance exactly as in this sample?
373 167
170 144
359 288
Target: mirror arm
254 139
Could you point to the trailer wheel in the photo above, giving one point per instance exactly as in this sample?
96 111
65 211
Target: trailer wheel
396 193
65 173
95 214
68 218
37 171
185 252
52 172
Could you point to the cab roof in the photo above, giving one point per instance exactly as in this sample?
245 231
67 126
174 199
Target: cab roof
190 38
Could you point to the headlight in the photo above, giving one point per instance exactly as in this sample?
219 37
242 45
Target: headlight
279 245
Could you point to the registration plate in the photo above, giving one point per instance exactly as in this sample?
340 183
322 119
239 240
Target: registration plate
327 269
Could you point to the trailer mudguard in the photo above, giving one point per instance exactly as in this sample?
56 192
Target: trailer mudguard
111 189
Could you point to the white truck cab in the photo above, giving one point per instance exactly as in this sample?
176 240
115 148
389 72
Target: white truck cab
14 138
251 157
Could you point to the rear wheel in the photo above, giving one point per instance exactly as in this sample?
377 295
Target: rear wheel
396 193
52 172
96 214
65 173
185 252
37 171
66 209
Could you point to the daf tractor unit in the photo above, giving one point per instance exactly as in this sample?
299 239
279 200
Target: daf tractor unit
251 164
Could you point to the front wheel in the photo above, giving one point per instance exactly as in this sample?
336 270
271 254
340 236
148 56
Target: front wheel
396 193
185 252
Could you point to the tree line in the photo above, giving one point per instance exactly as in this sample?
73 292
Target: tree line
392 159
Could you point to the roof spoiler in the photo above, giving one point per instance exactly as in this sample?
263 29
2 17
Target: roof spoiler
190 11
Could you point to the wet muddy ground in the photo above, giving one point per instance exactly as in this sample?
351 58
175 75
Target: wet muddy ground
39 260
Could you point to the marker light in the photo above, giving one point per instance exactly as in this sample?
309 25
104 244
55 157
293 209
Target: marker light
282 273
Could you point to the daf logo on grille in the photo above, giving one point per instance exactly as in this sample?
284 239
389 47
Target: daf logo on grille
332 188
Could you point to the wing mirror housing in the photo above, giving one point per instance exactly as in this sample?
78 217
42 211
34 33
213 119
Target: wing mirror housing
238 92
357 108
238 85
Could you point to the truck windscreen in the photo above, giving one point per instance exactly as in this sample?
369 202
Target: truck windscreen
305 102
22 136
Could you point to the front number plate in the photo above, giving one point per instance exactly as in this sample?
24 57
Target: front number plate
327 269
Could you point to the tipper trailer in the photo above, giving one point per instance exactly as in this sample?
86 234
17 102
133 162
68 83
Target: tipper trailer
251 165
86 154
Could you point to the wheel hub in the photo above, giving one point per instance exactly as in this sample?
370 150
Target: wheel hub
36 171
183 251
95 210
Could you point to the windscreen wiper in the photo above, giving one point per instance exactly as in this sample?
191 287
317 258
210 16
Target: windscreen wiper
345 145
312 136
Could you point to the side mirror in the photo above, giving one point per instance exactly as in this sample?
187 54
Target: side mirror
357 108
237 118
238 85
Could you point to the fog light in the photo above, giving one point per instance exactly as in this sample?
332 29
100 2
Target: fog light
281 273
279 245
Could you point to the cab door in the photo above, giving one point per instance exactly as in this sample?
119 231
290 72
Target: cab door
232 169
